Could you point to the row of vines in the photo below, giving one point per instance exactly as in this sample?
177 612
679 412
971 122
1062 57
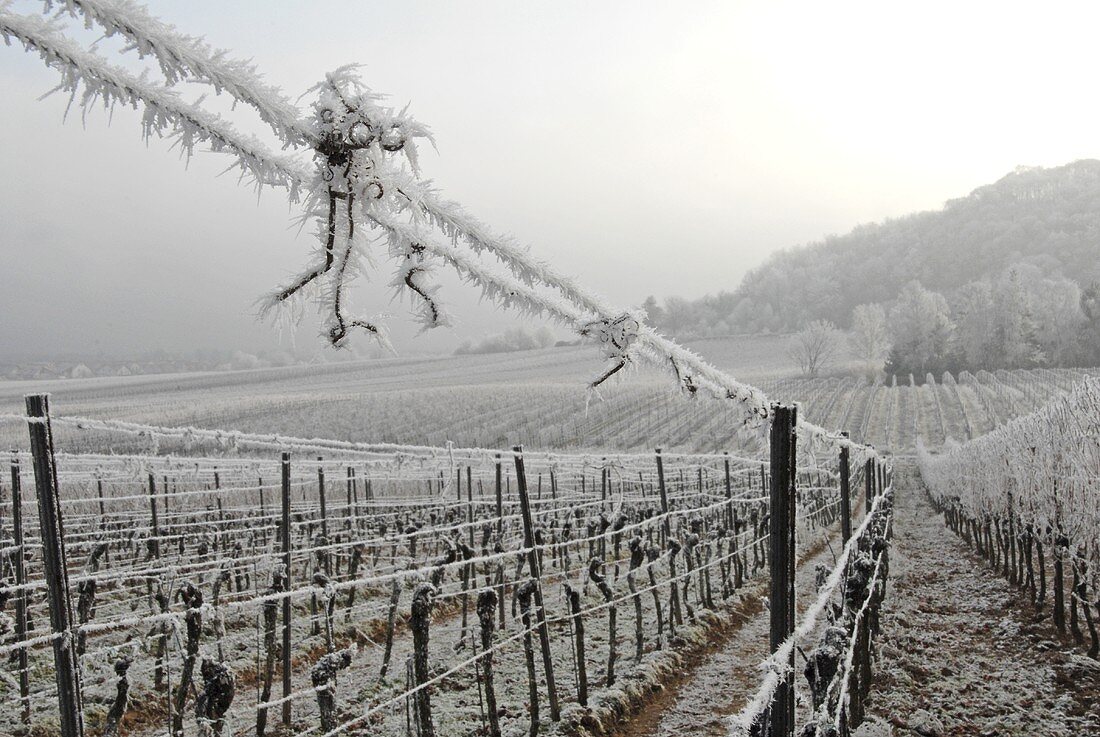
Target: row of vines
1027 497
390 591
633 416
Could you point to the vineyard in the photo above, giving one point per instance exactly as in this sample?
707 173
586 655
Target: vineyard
343 589
476 545
496 402
1028 492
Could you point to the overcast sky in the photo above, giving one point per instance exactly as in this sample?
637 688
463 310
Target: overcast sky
646 148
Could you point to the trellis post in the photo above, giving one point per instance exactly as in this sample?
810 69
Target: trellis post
67 669
154 543
285 532
729 493
321 494
845 492
20 582
102 510
350 484
869 480
536 574
666 531
499 498
782 558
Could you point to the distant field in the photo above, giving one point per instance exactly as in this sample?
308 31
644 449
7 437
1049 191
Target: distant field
537 398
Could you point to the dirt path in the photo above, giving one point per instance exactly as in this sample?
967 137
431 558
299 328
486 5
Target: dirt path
700 703
962 653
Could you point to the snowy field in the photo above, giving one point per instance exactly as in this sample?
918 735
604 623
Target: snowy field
537 399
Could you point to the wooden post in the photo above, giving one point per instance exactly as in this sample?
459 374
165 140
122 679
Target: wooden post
782 557
67 668
845 492
536 573
287 584
20 582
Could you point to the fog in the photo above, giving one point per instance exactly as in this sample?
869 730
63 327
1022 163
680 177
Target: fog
645 148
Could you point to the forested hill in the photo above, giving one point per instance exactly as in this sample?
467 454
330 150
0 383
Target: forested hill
1049 218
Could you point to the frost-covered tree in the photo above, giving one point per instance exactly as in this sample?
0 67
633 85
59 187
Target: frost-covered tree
1019 319
921 332
545 337
1017 333
815 347
870 339
1090 324
1056 305
976 325
653 310
513 339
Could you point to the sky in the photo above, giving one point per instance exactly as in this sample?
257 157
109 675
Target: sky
646 148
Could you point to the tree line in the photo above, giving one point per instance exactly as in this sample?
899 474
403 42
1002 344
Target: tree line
1007 277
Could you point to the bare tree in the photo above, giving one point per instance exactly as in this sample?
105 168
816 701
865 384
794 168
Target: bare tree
814 347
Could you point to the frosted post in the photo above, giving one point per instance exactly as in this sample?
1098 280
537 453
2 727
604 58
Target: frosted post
57 569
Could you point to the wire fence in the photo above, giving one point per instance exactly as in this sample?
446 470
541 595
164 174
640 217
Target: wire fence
380 589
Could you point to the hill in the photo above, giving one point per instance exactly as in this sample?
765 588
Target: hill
1047 218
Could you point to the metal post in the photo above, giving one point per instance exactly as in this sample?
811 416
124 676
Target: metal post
321 492
500 502
154 546
729 494
781 540
665 528
869 483
845 492
536 573
20 583
350 486
286 582
102 510
67 669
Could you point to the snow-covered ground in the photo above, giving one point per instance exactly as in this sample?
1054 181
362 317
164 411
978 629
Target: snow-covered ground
962 652
701 702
